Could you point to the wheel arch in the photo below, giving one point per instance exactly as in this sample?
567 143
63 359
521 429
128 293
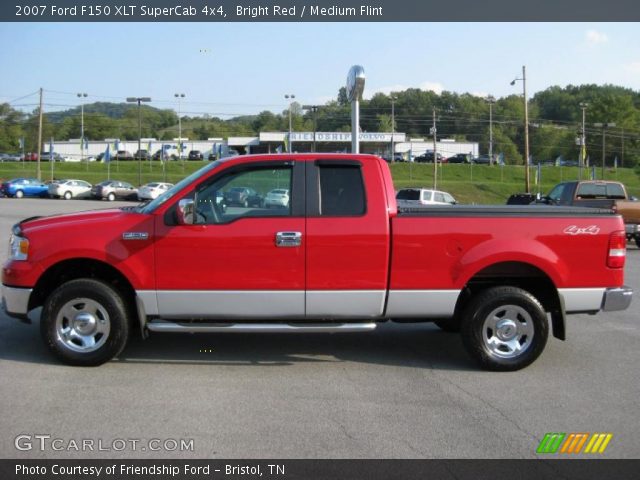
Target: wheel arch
523 275
77 268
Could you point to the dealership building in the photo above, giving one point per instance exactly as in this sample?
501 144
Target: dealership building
377 143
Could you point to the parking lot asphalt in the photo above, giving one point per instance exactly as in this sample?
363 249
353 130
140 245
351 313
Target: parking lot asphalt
402 391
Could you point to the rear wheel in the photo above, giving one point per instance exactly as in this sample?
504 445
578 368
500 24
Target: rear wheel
84 322
504 328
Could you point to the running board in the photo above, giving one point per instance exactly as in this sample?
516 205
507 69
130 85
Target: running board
166 326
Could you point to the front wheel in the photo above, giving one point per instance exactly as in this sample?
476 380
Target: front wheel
504 328
111 197
84 322
19 194
67 195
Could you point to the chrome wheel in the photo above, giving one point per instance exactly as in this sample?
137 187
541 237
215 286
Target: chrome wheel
82 325
507 331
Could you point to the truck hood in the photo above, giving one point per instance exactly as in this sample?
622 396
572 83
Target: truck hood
72 220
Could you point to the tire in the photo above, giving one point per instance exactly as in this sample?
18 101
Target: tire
111 197
68 195
504 328
245 204
19 194
98 330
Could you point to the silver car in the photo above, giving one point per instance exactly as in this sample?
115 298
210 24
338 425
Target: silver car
69 189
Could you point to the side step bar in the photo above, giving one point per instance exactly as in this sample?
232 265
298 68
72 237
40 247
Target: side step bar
167 326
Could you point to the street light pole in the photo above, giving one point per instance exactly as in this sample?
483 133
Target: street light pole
527 181
81 95
393 127
290 97
179 96
491 100
139 100
435 152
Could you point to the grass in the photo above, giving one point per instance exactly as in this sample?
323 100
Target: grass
480 184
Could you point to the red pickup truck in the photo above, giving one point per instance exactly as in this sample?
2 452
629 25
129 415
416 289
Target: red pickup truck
334 255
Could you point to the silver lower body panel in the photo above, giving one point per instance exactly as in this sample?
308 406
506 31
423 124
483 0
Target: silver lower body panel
166 326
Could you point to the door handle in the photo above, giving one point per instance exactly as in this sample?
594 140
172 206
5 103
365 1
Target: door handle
288 239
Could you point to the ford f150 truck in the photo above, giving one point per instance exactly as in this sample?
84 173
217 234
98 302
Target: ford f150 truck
599 194
339 257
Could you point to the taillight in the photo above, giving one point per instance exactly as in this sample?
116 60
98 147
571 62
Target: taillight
617 250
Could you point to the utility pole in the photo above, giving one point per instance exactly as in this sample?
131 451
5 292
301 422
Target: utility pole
604 127
435 152
491 100
622 153
527 181
38 173
313 109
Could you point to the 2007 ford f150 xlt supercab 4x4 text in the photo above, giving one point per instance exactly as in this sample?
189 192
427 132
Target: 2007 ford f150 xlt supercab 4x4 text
336 255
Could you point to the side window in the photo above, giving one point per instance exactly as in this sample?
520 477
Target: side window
439 197
256 192
426 195
556 193
449 199
341 191
615 191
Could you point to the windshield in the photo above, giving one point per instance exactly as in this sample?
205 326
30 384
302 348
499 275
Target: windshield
151 206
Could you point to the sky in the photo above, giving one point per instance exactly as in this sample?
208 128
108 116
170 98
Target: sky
230 69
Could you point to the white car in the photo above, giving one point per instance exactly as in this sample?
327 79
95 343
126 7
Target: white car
278 197
151 191
410 197
69 189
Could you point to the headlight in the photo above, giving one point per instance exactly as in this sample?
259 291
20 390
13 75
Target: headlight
18 247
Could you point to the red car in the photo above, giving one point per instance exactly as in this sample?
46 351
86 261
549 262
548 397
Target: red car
341 258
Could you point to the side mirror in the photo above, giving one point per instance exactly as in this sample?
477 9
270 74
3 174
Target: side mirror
185 211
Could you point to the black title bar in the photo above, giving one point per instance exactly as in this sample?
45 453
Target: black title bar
319 469
318 11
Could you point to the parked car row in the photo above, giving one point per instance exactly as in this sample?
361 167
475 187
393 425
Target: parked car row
73 188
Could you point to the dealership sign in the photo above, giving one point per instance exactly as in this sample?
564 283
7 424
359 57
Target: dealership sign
346 137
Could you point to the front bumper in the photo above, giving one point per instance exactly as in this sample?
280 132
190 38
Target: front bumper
15 301
617 299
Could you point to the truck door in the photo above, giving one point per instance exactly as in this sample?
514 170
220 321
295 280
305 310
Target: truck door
237 260
347 240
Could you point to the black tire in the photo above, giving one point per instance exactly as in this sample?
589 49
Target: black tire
111 197
86 293
520 323
450 325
